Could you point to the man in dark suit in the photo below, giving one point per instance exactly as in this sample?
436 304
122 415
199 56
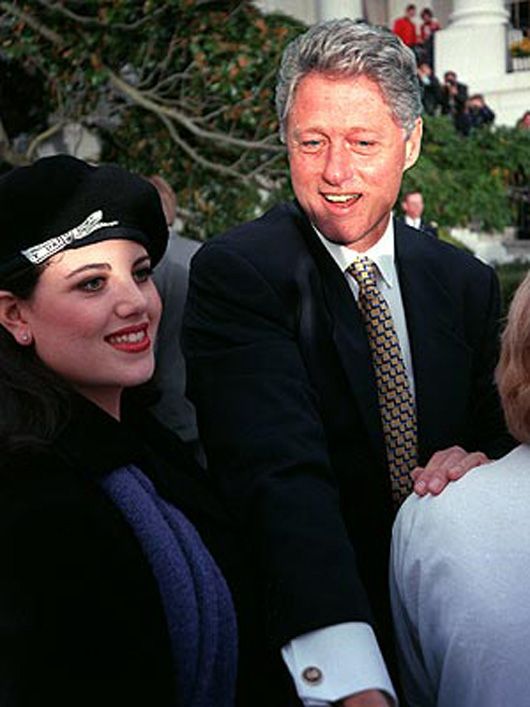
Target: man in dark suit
285 370
412 206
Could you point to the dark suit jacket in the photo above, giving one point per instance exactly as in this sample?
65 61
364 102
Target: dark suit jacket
430 228
280 372
425 226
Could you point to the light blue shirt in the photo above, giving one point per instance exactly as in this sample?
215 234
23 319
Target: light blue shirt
460 588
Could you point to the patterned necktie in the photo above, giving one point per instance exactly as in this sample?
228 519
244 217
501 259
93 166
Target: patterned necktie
396 404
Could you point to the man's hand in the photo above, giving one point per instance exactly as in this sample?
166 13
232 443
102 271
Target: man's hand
445 466
368 698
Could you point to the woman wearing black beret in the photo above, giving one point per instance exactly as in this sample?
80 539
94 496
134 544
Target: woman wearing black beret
108 595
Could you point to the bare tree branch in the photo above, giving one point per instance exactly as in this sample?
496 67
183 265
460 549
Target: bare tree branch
264 166
94 22
39 27
170 113
7 154
39 139
213 166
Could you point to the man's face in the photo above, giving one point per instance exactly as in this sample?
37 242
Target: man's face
411 13
347 156
413 205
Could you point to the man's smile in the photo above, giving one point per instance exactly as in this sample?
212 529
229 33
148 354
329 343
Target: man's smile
341 198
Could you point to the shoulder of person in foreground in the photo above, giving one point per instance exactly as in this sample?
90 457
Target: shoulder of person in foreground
459 576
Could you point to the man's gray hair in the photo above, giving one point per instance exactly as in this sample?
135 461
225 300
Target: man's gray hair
352 48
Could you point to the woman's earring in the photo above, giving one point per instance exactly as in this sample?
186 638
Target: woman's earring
26 338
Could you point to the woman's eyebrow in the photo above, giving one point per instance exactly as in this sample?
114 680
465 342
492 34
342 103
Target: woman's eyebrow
89 266
142 259
106 266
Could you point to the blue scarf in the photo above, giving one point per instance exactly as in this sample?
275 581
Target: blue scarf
197 603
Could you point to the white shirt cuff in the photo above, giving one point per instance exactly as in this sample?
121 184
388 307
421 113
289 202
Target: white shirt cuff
335 662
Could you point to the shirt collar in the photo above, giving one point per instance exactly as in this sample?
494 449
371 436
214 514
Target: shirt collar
415 222
381 253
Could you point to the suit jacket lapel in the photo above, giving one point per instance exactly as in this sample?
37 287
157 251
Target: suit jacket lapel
441 358
349 336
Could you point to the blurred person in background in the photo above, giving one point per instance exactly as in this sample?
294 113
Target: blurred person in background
454 97
476 115
429 25
431 91
413 206
524 121
405 27
171 278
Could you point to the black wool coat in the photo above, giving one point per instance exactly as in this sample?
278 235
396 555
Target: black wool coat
81 618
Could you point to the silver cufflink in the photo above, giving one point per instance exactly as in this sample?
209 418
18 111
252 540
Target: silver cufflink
312 675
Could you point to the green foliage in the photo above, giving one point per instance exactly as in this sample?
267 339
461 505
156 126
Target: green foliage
510 276
469 180
192 74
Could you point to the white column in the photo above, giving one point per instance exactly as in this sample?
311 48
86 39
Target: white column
336 9
470 13
474 43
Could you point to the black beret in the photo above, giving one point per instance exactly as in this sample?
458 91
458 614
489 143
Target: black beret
62 202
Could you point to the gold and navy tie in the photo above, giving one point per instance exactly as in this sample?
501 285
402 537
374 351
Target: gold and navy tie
396 404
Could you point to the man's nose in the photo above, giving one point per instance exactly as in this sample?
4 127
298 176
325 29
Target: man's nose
339 165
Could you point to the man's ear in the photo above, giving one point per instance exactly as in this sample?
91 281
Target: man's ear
413 144
12 318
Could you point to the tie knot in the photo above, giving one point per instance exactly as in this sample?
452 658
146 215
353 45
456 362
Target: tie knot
364 271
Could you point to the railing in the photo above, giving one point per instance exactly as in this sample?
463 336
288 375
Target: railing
520 198
517 63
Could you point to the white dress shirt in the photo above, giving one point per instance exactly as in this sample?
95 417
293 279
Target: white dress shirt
460 588
338 661
414 222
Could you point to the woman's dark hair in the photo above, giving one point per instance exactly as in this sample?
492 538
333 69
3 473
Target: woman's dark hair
34 401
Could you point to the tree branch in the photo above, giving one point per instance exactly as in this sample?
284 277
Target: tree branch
94 22
39 27
7 154
170 113
213 166
44 136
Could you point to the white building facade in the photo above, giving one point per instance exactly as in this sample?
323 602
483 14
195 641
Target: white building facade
474 42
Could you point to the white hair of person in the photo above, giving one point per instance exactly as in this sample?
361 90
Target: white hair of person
350 48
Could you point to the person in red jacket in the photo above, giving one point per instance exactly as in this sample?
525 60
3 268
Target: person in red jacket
429 26
405 28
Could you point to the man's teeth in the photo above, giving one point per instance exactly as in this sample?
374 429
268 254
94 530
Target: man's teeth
341 198
132 338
